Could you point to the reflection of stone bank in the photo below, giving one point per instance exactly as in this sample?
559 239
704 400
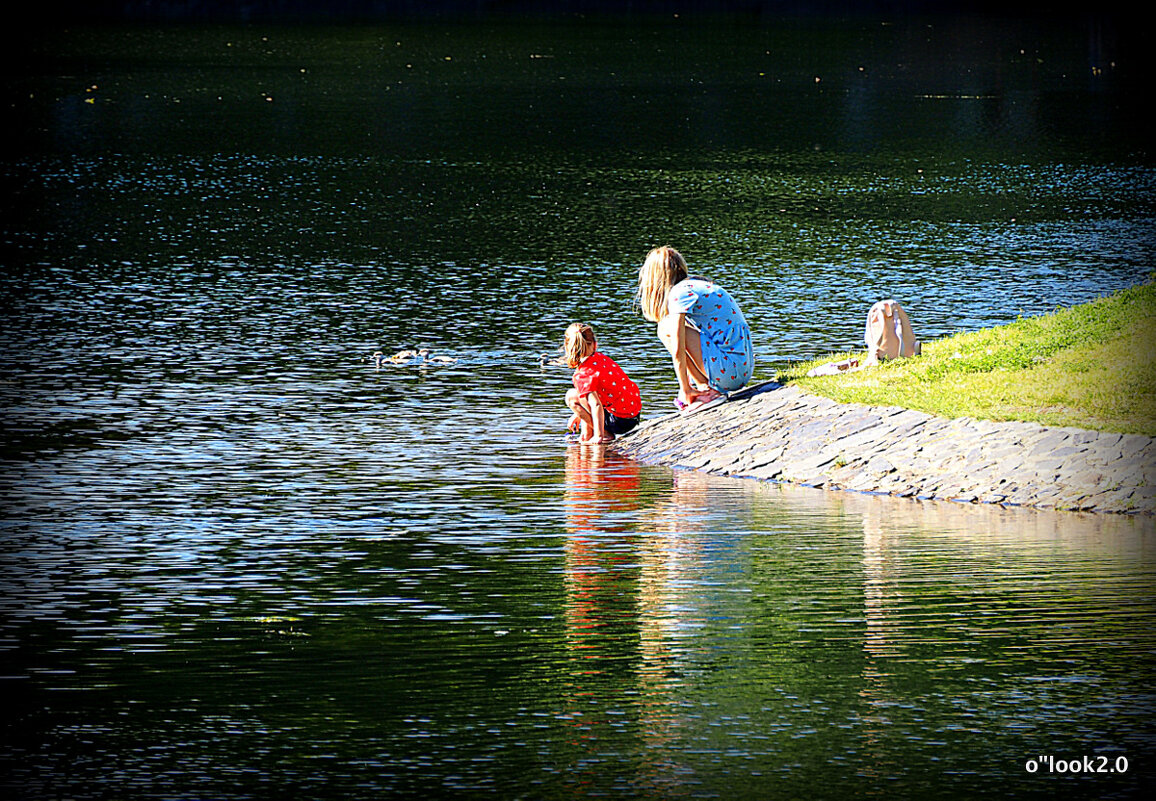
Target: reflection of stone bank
777 433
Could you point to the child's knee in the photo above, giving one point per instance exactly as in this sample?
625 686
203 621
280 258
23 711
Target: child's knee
571 398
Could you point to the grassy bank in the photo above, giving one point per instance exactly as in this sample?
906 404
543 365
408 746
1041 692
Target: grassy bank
1090 366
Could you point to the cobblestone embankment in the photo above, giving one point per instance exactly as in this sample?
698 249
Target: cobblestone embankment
777 433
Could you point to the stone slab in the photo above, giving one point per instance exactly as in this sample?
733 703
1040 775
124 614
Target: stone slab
773 432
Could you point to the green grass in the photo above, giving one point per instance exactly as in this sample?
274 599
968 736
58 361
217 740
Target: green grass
1089 366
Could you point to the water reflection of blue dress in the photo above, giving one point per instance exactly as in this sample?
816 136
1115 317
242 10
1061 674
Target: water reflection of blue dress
727 352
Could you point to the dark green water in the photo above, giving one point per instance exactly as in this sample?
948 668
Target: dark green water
238 561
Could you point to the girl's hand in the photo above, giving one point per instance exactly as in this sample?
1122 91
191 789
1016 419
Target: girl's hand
573 424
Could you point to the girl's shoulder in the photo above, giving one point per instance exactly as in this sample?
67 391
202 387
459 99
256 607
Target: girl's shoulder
690 290
695 284
604 361
594 361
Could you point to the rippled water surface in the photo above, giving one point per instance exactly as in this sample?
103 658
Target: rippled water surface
237 560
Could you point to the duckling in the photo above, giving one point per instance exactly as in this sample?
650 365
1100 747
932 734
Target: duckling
421 356
401 357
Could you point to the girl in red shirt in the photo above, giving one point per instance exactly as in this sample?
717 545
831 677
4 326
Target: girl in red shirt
604 400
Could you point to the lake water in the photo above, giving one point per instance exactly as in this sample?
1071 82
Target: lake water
239 561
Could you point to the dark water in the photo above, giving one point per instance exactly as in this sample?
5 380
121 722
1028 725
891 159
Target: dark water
238 561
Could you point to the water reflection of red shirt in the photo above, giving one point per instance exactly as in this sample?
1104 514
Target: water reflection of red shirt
599 373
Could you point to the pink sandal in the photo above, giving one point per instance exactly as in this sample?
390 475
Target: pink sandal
710 398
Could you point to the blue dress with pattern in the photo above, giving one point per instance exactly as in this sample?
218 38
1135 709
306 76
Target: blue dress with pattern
727 351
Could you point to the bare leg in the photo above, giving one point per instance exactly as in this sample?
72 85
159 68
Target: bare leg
685 347
599 433
591 415
581 412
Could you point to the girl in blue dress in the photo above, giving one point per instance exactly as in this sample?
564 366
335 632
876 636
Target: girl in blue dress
701 326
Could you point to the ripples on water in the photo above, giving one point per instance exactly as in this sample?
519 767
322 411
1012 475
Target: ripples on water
239 561
428 248
621 630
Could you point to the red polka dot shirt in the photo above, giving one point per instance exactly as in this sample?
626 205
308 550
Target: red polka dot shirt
619 395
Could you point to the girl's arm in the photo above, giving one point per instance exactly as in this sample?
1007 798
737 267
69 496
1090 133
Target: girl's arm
680 360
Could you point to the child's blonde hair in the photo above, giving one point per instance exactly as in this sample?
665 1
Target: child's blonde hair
578 344
664 267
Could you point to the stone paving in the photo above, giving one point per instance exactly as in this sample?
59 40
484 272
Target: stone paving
778 433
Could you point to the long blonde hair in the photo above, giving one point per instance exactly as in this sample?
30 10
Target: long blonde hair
664 267
578 344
